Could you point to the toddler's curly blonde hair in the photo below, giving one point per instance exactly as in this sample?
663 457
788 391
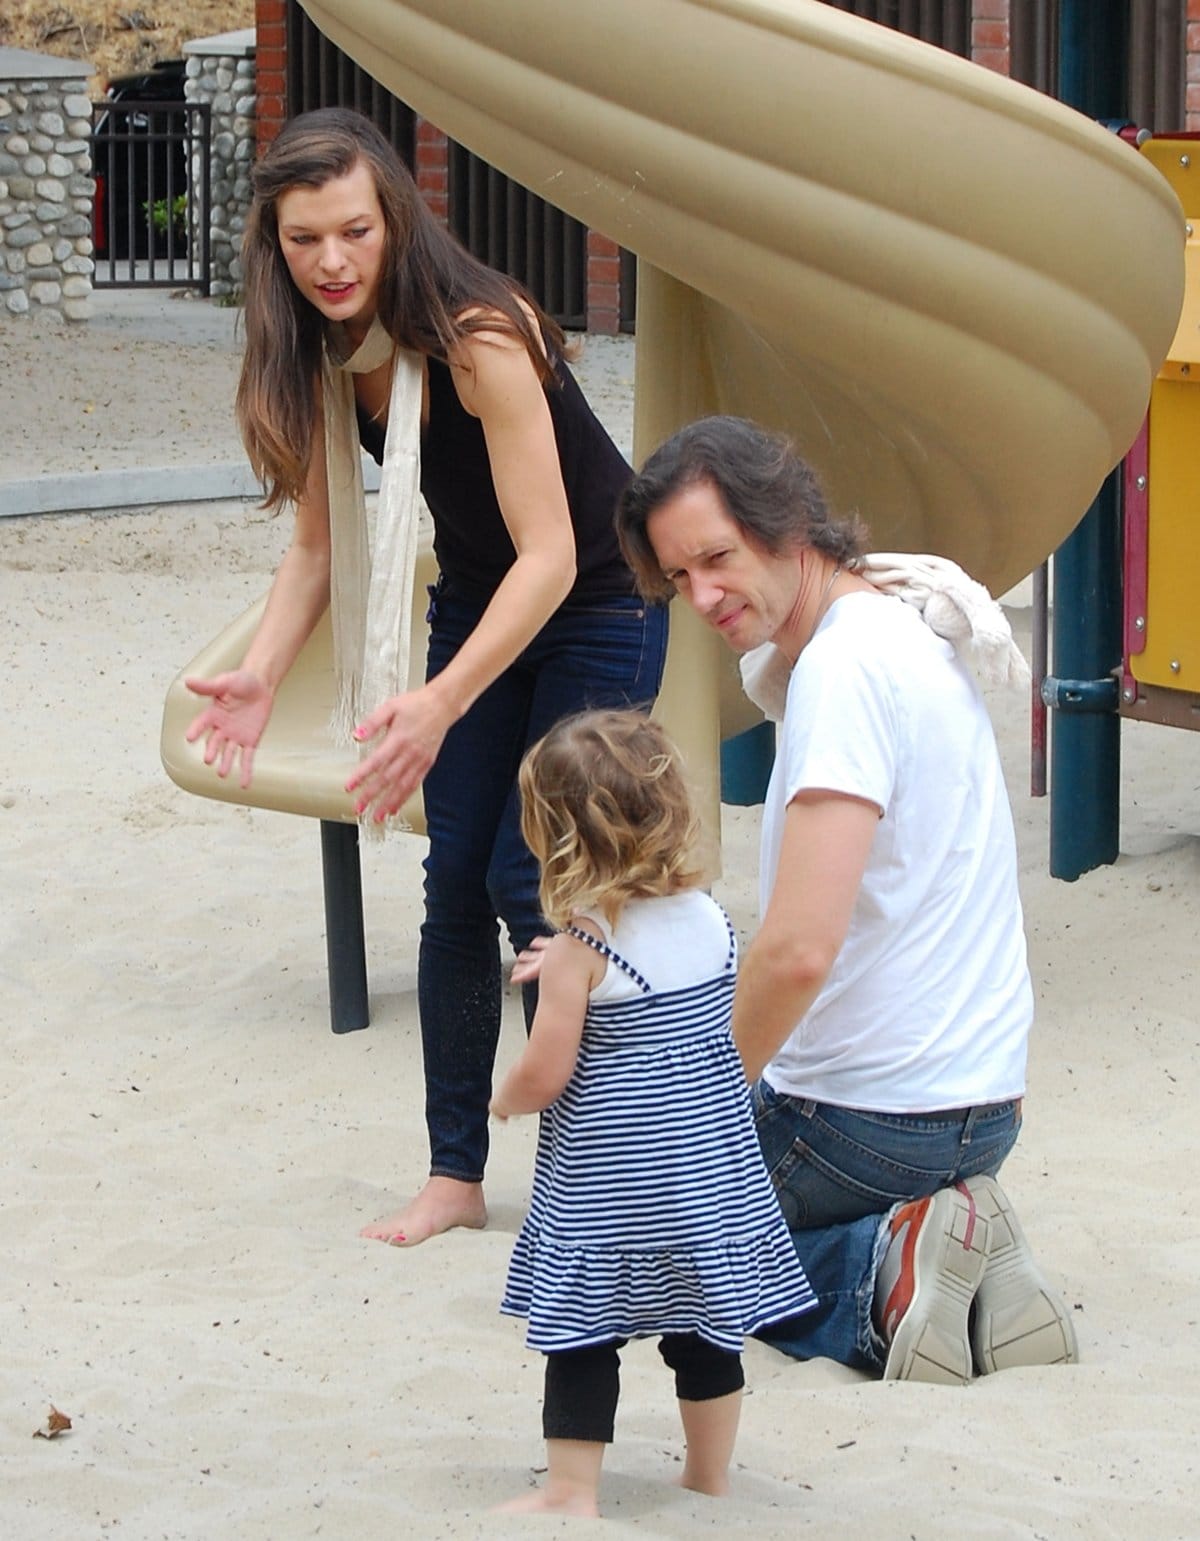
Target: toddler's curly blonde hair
606 811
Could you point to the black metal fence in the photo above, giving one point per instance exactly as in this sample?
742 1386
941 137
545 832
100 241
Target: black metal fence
946 23
1157 66
520 234
151 163
1156 83
627 311
319 74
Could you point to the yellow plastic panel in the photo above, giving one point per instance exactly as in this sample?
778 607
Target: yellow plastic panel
1171 656
1183 357
1176 160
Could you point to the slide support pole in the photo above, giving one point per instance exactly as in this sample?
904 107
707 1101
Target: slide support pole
1085 757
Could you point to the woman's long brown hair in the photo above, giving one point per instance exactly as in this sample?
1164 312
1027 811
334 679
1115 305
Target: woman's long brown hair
426 281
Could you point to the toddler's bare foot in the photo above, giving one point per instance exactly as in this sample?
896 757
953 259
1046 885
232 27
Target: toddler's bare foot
543 1501
713 1487
572 1484
443 1204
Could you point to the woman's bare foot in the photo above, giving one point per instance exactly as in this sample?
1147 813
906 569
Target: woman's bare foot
443 1204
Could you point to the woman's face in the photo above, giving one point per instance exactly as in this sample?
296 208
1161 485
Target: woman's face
332 238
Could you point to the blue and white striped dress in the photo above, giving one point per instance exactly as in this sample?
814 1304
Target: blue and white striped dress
651 1210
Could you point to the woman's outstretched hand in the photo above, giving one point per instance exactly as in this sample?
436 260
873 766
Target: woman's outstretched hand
412 727
234 720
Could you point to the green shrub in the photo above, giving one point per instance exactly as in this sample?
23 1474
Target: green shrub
159 218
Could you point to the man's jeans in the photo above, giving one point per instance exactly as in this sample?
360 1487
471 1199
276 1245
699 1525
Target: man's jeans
839 1173
606 653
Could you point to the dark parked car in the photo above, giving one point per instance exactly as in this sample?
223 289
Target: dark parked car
140 166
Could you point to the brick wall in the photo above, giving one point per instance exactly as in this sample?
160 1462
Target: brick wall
990 35
1192 116
433 169
603 284
270 18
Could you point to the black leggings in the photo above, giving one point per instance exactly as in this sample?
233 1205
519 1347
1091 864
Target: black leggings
582 1384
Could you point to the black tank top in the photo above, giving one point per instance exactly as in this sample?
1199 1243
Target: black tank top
470 539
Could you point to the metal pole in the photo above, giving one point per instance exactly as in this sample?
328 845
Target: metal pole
344 939
1039 667
1085 744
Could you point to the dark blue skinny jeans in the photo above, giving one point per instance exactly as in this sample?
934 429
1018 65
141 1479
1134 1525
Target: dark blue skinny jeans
479 871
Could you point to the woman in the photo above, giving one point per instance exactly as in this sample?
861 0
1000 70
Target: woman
534 615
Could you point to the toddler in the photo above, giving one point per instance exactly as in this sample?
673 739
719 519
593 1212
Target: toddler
651 1212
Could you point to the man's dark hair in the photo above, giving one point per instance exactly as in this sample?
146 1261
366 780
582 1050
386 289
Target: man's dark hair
767 489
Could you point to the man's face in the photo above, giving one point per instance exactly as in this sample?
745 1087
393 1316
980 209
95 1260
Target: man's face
730 579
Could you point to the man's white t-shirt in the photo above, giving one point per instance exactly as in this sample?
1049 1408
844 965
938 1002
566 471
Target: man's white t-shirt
929 1003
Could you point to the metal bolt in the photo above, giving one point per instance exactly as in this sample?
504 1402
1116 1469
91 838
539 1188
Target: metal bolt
1128 694
1185 369
1175 666
1185 160
1141 484
1139 623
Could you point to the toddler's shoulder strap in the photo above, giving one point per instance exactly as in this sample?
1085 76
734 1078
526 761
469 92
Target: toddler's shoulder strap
731 955
606 951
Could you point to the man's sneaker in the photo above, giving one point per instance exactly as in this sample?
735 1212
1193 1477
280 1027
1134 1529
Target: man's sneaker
926 1280
1019 1318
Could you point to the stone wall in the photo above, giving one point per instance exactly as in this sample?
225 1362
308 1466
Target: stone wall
46 187
221 71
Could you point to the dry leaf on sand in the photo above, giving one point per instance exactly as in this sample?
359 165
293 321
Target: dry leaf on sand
57 1423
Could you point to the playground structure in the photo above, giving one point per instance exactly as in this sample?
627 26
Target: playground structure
931 295
1160 677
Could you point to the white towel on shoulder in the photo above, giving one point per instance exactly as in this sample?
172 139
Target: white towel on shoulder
951 603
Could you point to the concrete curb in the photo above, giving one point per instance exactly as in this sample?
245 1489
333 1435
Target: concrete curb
138 487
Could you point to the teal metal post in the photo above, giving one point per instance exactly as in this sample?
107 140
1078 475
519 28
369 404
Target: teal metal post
1085 742
746 762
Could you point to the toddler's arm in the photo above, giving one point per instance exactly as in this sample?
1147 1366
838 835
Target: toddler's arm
570 969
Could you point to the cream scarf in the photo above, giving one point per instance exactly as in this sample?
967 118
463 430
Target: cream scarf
371 596
950 603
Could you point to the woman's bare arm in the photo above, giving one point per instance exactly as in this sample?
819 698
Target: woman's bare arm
497 383
240 701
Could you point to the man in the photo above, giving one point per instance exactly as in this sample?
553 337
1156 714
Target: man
883 1009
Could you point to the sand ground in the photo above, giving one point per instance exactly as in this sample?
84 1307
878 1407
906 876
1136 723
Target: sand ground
188 1151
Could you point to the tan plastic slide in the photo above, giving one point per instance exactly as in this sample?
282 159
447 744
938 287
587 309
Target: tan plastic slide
952 291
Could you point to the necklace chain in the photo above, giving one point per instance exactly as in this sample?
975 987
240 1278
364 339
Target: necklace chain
825 592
